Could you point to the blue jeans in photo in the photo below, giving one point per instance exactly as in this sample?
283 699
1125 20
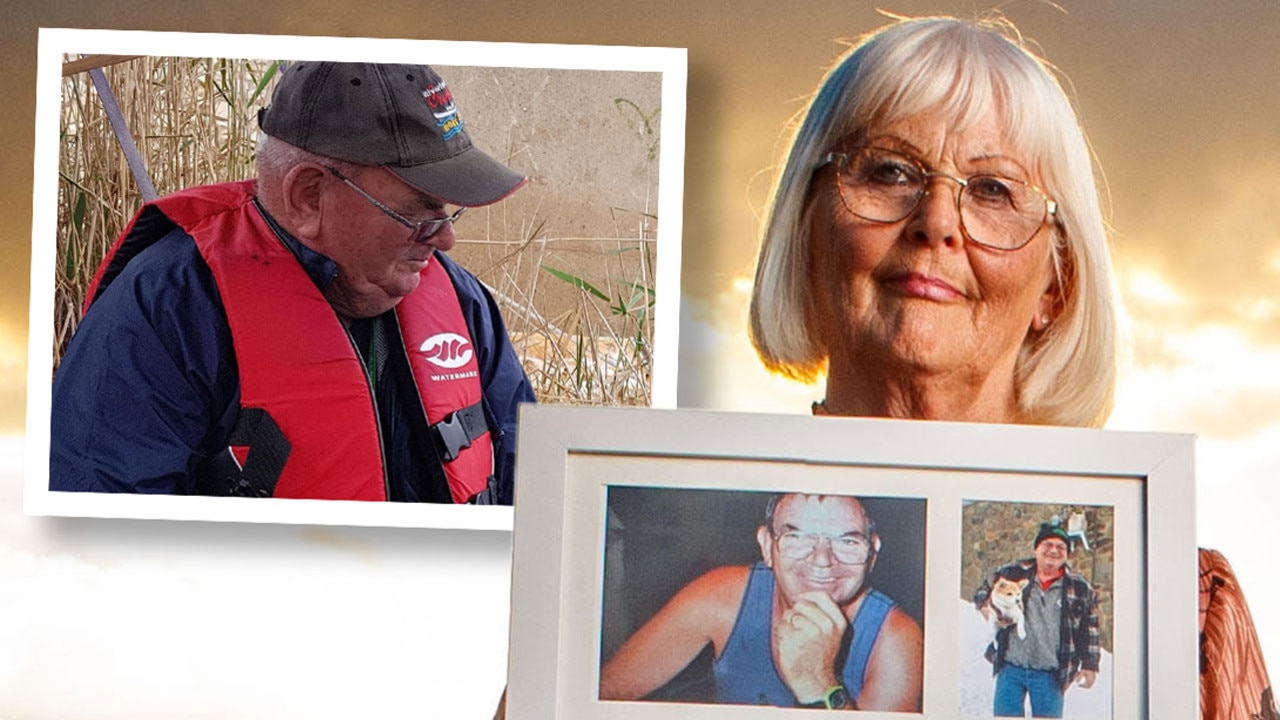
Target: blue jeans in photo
1014 684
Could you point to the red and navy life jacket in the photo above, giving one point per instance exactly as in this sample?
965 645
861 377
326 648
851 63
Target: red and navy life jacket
308 425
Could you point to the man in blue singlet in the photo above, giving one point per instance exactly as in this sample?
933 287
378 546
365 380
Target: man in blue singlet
801 628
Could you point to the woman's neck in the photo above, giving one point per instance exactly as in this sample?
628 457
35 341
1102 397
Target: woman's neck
919 396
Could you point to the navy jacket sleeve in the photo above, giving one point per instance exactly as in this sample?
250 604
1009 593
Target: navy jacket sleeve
502 377
147 388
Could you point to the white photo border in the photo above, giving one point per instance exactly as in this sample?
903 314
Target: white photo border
671 63
568 457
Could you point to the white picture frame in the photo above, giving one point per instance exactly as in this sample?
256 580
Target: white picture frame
56 43
569 458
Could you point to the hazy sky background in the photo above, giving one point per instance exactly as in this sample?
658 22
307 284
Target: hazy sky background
1180 99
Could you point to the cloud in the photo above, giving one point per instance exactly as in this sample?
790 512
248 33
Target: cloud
1206 244
1210 379
1236 501
1147 288
719 368
145 619
13 376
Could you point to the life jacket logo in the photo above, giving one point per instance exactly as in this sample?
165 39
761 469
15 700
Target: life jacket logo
447 350
440 99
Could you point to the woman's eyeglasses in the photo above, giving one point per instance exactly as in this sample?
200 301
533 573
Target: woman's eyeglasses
419 231
886 186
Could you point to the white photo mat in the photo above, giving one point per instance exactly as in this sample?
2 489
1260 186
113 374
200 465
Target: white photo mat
569 457
54 43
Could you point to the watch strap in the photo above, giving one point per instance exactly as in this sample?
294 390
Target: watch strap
837 698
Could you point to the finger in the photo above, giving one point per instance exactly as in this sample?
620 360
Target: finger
789 619
807 621
792 628
815 617
833 611
821 602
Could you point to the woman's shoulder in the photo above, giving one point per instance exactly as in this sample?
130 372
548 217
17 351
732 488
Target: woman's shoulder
1233 674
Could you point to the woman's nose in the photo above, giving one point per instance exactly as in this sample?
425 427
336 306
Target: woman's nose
936 218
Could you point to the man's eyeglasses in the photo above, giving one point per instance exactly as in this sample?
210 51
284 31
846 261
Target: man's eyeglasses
886 186
849 549
419 231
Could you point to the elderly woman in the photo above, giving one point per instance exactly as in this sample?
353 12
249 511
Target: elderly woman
935 247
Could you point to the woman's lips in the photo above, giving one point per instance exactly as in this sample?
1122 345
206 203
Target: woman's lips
915 284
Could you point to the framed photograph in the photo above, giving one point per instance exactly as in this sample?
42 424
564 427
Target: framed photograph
723 565
583 263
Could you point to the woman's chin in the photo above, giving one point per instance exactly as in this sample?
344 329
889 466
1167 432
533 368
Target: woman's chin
916 343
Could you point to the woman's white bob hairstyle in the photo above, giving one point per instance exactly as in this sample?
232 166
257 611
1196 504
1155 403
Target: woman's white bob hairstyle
967 70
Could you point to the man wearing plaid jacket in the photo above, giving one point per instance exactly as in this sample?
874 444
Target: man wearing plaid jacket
1061 621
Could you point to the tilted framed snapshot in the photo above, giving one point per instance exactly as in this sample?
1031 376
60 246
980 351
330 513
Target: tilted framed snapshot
559 248
620 510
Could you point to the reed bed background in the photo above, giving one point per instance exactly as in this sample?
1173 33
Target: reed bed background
569 259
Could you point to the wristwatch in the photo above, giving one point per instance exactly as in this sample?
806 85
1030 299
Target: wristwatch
837 698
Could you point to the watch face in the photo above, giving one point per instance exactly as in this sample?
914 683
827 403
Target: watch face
838 699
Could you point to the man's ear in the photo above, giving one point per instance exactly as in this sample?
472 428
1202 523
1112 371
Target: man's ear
875 552
302 192
765 539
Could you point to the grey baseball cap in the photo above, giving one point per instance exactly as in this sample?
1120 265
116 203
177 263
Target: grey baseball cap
401 117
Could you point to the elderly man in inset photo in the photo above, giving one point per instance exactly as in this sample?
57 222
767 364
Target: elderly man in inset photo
801 628
304 335
1059 642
